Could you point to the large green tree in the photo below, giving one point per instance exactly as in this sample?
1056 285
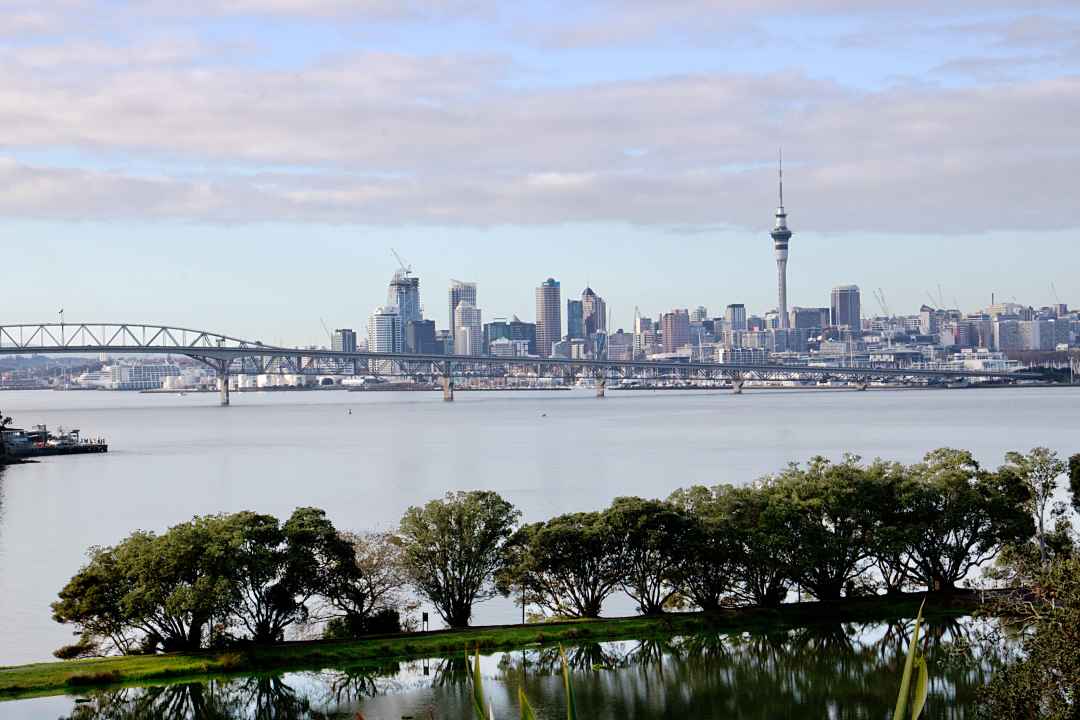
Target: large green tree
711 553
452 549
568 565
650 536
1039 470
761 525
832 512
961 516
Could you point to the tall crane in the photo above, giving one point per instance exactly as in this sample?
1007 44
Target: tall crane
405 269
879 295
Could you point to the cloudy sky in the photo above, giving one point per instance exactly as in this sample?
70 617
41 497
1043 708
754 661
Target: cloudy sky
246 165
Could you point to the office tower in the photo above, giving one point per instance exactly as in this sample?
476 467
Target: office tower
675 330
460 292
595 312
736 317
497 329
404 292
420 337
444 342
548 316
575 319
846 307
700 314
468 330
521 330
344 341
781 235
800 318
384 330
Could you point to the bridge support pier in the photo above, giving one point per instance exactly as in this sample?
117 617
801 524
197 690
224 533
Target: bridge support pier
601 389
737 385
863 385
223 386
447 388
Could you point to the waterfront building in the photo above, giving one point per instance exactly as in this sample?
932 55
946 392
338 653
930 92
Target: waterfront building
143 376
404 293
460 292
594 312
344 340
847 307
385 332
548 316
420 337
781 236
675 330
575 319
735 317
507 348
742 356
468 330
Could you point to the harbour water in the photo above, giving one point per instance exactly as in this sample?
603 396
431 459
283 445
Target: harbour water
838 672
173 457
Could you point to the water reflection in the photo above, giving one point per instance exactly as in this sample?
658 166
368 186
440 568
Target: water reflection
840 672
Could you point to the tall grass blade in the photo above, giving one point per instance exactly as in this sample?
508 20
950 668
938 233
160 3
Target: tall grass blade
571 701
479 706
909 668
527 712
922 689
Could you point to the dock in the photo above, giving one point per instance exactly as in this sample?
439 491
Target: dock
39 442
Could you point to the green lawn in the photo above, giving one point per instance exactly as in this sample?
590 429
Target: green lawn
54 678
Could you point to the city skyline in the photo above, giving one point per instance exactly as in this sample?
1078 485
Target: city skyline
301 141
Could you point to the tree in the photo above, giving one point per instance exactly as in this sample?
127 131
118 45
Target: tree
832 512
568 565
1074 481
278 569
649 535
92 601
711 552
1039 470
1041 683
961 516
452 549
365 598
762 530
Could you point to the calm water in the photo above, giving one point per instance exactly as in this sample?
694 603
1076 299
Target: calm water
173 457
841 672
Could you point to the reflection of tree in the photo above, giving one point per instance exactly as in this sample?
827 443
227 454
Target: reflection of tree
452 672
345 687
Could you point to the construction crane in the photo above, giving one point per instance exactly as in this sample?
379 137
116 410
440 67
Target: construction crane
329 334
405 269
879 295
1054 294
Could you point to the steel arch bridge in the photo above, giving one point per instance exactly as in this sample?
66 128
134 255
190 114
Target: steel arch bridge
229 355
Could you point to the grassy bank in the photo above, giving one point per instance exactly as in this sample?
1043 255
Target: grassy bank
55 678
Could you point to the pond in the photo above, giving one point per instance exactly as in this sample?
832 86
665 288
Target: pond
834 672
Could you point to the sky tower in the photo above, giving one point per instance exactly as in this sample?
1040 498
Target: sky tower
781 235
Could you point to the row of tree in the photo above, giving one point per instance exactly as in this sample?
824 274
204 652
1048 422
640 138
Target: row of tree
825 529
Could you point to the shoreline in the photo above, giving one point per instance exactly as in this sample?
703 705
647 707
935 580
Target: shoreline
77 676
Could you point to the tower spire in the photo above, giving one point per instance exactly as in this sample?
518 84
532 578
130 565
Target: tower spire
780 168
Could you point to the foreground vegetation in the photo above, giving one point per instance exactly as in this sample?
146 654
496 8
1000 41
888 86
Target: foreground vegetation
222 593
80 675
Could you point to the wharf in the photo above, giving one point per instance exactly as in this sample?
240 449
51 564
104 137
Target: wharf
83 449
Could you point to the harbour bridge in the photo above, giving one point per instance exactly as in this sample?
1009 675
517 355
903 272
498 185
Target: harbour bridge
230 356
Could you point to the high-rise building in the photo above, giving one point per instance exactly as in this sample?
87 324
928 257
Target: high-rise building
548 316
781 235
675 330
384 330
736 317
595 312
404 292
700 314
344 340
521 330
420 337
468 330
575 319
460 292
800 318
847 307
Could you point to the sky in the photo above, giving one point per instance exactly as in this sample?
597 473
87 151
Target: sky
246 166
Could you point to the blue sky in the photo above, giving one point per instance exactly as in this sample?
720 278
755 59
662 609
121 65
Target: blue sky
245 165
